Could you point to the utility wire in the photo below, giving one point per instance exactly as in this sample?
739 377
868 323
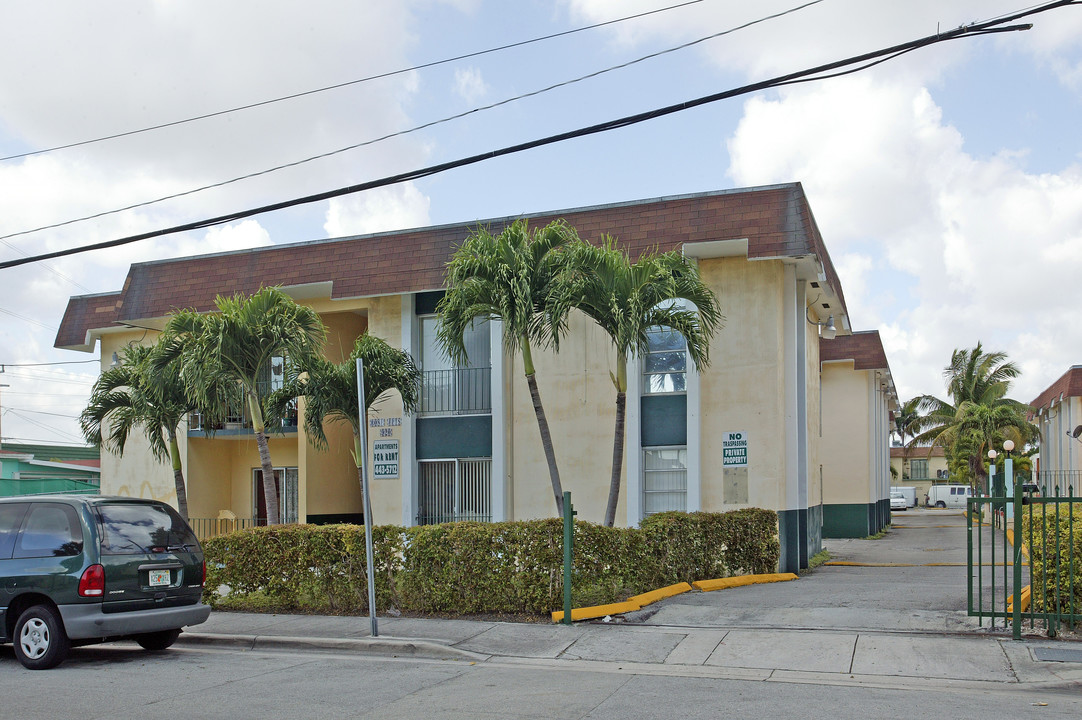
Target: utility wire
66 362
965 31
399 133
337 86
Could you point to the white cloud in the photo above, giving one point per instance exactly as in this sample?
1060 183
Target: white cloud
975 250
469 84
390 208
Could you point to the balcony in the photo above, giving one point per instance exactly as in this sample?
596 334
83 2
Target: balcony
458 391
239 422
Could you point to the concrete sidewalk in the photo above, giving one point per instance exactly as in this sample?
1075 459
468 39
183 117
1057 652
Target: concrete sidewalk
822 656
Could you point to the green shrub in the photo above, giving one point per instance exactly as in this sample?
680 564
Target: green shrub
469 567
1054 540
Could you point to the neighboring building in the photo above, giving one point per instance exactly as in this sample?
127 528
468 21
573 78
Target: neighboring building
923 467
472 452
858 397
1057 412
35 469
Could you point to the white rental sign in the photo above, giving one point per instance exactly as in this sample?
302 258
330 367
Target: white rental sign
385 459
734 449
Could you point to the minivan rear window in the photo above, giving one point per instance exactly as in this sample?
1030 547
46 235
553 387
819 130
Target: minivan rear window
140 528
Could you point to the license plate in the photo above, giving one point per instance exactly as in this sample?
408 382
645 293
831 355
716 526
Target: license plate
158 578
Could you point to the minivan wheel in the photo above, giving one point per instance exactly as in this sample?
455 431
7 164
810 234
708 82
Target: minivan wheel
40 640
941 504
157 640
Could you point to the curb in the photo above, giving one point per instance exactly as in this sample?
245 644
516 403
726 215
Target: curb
393 647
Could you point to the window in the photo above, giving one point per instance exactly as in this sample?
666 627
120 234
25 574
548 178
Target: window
136 528
665 363
454 490
665 479
286 481
455 389
11 516
50 530
918 469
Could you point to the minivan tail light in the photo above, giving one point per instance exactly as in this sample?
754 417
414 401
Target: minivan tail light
204 573
92 583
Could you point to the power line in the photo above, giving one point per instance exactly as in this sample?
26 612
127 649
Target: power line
965 31
65 362
8 438
39 412
400 133
337 86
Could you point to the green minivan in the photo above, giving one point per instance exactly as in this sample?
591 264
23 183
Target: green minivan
78 570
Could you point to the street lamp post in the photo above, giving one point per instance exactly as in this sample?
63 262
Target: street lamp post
1016 512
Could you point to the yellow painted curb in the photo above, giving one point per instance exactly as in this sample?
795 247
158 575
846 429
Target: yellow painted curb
722 583
1026 598
1010 539
597 611
660 594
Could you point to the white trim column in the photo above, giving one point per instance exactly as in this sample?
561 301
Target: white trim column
407 465
501 509
633 441
694 440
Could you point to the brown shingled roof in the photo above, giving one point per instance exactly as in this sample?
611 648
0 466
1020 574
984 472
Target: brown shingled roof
1068 385
864 348
776 220
84 313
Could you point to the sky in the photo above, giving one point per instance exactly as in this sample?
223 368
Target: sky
947 182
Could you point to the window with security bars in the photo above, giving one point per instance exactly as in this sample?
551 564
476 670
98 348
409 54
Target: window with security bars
454 490
450 389
665 479
918 469
664 367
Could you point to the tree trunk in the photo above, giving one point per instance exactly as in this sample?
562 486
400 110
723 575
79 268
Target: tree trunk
543 427
178 475
270 491
620 381
617 459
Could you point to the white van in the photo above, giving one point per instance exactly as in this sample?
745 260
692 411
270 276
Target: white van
949 496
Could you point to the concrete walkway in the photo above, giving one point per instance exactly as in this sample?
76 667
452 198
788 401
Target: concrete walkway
898 626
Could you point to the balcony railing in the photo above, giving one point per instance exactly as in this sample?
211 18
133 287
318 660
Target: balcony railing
459 391
239 419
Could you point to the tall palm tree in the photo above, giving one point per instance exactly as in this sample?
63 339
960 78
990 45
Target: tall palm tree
905 423
136 393
512 276
330 390
979 415
235 345
627 300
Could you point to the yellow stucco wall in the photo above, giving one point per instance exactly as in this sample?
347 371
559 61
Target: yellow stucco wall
138 473
744 389
845 449
385 321
580 404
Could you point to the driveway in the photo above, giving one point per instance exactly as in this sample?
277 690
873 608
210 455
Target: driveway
911 580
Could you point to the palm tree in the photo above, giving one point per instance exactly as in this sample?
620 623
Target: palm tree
979 416
905 421
627 300
137 393
512 276
330 390
235 345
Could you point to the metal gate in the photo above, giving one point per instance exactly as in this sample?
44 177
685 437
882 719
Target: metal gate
453 490
1026 545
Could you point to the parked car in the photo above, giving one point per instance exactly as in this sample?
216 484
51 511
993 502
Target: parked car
78 570
898 501
910 494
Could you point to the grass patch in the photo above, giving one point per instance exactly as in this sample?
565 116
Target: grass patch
879 535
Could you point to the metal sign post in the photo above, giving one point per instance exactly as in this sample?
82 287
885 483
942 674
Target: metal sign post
367 499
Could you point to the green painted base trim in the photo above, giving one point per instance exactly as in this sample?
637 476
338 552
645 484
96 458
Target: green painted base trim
853 520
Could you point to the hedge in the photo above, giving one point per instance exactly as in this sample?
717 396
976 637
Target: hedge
469 567
1054 540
